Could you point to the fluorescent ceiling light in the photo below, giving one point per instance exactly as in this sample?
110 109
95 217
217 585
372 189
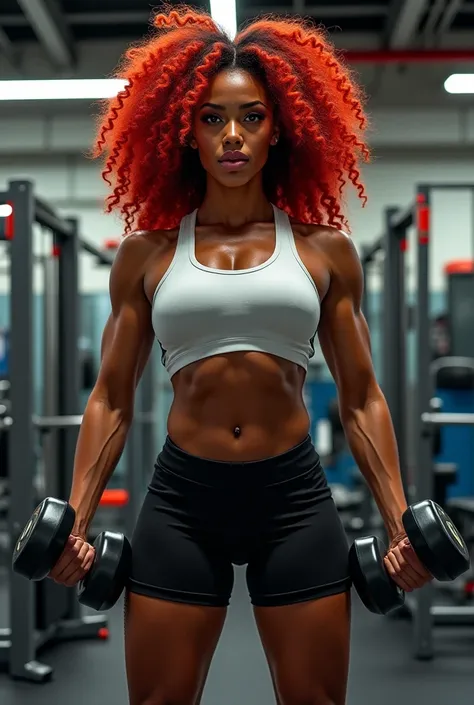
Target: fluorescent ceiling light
460 83
5 210
225 15
86 88
223 12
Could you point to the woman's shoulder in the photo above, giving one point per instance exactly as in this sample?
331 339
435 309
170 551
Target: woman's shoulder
336 245
140 243
325 236
138 250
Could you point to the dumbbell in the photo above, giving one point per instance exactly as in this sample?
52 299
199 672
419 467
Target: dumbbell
43 540
435 540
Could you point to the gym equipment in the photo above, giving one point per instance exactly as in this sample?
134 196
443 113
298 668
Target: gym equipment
419 482
374 586
43 540
435 540
105 582
4 352
425 612
460 284
428 606
41 611
452 380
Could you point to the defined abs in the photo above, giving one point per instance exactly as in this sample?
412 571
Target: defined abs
238 408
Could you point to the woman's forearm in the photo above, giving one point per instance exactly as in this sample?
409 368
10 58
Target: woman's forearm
372 441
100 444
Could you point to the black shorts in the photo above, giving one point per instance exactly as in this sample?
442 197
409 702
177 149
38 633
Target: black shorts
200 517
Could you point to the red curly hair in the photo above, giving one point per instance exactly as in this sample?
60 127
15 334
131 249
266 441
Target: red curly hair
155 176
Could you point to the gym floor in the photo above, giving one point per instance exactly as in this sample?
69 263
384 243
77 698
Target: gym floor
382 669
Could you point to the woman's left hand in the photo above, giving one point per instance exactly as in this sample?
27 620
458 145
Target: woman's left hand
404 566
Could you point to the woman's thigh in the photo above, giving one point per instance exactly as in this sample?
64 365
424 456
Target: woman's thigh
307 646
169 648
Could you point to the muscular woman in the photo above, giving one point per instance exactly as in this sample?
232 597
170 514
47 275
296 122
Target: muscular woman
227 160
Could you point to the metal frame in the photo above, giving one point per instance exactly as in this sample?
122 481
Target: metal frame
393 325
425 613
421 603
50 26
19 643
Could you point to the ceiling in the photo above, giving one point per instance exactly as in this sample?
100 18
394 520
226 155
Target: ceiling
86 37
391 22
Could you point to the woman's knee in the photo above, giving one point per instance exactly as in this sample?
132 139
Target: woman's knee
316 697
186 691
160 699
316 700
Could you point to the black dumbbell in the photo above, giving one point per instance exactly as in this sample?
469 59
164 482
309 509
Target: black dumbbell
435 540
43 540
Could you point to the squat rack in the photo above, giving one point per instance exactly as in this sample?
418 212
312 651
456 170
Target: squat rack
20 643
421 603
424 611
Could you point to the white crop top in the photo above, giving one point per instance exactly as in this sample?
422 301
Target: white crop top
199 312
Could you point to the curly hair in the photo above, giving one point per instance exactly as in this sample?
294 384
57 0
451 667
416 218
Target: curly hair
156 178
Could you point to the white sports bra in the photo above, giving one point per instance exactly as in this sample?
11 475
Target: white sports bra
199 312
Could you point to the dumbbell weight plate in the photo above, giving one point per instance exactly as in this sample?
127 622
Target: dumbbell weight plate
374 586
104 583
436 540
43 539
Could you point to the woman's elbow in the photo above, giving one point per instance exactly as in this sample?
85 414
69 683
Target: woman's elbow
117 398
359 401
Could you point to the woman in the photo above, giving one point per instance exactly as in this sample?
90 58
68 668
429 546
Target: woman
227 161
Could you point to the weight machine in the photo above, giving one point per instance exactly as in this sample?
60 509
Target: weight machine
42 612
421 604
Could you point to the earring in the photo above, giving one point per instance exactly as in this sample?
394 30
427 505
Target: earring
275 141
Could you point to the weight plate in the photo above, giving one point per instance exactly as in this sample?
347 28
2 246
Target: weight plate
104 583
436 540
374 586
43 539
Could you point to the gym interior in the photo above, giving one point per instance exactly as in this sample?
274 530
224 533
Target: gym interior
415 238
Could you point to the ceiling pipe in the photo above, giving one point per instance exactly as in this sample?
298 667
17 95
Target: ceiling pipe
409 56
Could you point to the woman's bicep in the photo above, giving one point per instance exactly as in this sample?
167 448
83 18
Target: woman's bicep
127 337
344 337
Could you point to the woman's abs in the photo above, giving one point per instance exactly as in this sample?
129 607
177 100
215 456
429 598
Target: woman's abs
238 407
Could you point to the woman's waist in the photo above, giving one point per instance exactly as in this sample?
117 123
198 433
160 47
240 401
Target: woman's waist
186 471
224 434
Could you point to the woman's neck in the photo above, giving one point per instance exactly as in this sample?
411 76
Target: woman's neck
233 208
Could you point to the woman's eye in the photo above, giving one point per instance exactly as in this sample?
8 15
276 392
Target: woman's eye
256 117
251 117
211 119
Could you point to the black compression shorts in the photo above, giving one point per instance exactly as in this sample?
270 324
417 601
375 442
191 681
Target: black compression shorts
200 517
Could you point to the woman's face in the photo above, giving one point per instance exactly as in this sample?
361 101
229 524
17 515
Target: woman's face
234 128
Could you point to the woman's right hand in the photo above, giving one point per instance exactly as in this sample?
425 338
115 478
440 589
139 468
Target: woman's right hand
75 562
